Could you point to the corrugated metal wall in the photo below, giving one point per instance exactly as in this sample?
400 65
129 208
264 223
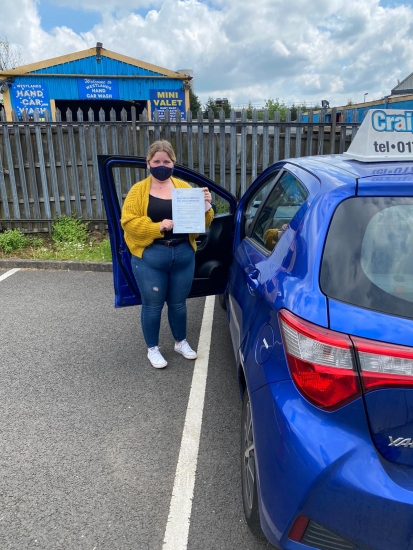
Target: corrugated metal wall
65 87
89 65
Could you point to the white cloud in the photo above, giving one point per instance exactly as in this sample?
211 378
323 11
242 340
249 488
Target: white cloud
243 50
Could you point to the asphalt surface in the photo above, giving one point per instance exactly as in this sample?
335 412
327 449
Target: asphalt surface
91 433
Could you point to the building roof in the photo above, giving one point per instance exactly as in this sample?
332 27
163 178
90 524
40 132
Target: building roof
405 86
96 61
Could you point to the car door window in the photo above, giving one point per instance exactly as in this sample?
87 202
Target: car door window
278 210
257 198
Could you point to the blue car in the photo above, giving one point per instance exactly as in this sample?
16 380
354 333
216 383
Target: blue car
315 269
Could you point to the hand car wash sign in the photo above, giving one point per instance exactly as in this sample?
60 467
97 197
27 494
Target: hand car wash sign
97 88
30 97
167 100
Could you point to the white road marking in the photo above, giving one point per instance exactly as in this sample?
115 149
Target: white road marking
177 527
8 273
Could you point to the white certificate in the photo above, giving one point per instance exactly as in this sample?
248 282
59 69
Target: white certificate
188 210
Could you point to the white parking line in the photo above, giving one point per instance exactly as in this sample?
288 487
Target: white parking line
8 273
177 527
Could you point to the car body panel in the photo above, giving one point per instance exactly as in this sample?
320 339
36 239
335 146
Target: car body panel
337 478
266 270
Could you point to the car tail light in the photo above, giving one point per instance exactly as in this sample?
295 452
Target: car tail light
321 362
298 528
314 535
384 365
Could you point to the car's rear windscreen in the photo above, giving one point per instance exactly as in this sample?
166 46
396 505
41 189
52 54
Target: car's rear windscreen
368 256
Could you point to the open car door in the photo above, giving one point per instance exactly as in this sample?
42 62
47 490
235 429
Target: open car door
214 255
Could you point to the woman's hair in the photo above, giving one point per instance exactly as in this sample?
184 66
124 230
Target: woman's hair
161 145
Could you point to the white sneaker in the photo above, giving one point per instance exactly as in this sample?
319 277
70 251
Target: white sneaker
185 349
155 357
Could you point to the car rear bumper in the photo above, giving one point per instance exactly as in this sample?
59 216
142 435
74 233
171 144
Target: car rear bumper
325 467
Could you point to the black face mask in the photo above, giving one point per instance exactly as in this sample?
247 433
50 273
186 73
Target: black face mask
161 173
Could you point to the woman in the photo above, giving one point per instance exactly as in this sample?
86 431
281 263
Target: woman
162 261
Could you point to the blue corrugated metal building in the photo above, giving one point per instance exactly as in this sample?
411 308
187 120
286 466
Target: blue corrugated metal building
401 97
94 79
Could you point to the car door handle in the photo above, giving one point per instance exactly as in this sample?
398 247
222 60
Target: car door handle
253 278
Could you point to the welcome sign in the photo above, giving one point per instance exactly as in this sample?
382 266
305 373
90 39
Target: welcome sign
384 135
167 100
97 88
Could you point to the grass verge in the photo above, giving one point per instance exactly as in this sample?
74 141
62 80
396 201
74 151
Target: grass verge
69 241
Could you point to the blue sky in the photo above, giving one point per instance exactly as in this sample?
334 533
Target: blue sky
55 16
246 51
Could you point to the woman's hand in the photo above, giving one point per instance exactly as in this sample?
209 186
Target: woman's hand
166 225
207 194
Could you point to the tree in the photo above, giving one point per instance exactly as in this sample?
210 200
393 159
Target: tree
211 104
194 103
10 56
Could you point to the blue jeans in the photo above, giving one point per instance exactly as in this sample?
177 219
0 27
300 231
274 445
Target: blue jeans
164 274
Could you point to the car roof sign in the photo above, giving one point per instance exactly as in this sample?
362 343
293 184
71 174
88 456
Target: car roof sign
384 135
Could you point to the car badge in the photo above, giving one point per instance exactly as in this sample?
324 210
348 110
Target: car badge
400 442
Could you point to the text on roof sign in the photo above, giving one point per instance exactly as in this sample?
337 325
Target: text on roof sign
384 122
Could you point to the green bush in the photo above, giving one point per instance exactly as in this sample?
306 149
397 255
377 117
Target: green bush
13 239
222 207
69 230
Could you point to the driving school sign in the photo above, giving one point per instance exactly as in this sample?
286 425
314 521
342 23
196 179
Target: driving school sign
97 88
167 100
30 97
384 135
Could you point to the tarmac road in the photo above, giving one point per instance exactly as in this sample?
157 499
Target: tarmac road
91 433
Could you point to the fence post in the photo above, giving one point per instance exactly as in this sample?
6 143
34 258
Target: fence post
254 145
243 151
135 139
222 175
320 141
211 144
43 177
73 162
3 189
20 163
178 139
333 131
10 166
189 139
233 153
298 134
309 148
201 167
83 160
30 160
265 141
287 143
93 152
63 163
52 164
276 136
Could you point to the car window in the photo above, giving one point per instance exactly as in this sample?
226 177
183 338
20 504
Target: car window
368 257
277 212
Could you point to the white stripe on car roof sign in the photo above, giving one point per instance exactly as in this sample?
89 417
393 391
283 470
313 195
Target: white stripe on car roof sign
8 273
384 135
177 527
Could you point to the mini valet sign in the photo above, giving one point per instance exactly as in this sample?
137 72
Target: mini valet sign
168 100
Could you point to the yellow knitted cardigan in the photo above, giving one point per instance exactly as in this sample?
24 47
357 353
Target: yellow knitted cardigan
140 231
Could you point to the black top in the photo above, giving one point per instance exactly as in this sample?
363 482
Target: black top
161 209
